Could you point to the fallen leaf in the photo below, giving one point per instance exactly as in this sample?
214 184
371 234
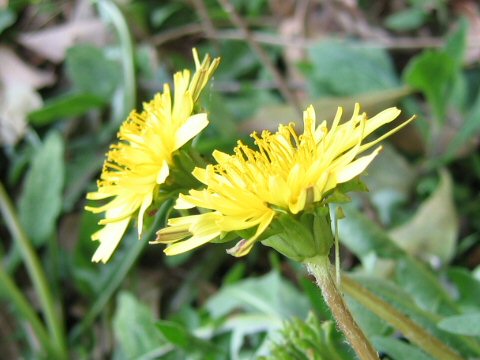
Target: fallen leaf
269 117
18 82
16 101
15 71
52 43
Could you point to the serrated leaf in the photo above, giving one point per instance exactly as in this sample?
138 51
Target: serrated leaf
310 339
41 200
468 324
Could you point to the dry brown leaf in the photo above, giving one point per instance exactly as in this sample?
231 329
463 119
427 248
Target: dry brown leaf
471 11
52 43
15 71
16 101
18 82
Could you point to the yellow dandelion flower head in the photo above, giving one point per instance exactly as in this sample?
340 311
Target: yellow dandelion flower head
286 174
140 160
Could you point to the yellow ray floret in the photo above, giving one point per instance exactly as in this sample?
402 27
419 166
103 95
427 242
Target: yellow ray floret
286 173
141 159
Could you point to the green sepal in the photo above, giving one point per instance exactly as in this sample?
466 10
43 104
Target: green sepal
179 180
356 184
225 237
302 237
338 197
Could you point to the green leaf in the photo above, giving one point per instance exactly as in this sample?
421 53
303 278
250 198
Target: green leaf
370 323
181 338
41 200
424 286
64 106
310 339
409 19
469 129
269 294
468 288
456 45
468 324
344 68
398 350
134 327
390 179
403 302
91 72
363 237
7 18
433 230
314 294
432 73
161 13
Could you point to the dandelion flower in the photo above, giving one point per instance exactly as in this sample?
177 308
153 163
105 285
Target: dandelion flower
287 174
142 158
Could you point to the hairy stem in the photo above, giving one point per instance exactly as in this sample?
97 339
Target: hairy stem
319 267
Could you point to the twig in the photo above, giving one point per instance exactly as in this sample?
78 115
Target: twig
233 87
404 43
207 23
176 33
240 23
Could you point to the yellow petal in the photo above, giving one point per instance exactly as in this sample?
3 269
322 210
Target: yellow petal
145 204
187 245
109 237
190 129
356 167
163 172
183 203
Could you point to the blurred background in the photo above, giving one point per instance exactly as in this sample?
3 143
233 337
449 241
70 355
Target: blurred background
71 71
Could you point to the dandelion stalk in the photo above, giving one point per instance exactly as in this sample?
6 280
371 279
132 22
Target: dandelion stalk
13 293
36 273
319 267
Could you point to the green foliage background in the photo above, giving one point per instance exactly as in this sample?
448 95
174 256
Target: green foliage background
412 240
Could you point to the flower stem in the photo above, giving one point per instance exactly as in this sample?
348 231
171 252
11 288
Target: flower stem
407 327
36 274
110 10
319 267
13 293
